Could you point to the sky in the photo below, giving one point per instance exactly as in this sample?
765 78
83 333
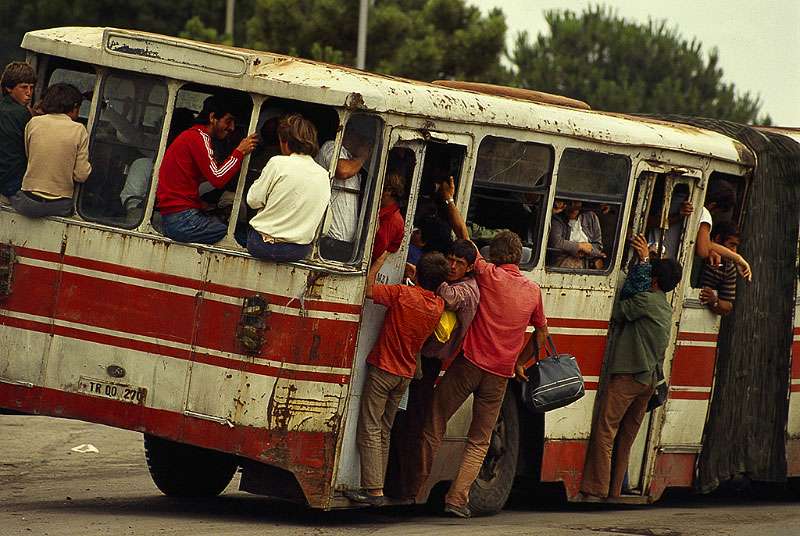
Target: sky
758 41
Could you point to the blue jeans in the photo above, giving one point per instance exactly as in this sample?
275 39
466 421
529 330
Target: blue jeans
278 252
193 226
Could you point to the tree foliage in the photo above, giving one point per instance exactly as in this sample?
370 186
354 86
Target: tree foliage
623 66
422 39
596 56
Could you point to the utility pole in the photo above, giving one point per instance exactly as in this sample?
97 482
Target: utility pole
361 49
229 18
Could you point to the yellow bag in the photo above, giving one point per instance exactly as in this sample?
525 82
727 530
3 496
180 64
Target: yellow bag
447 323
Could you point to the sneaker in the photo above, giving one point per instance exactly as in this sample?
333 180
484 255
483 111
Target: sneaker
362 497
457 511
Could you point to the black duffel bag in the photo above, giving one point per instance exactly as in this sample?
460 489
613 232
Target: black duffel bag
553 382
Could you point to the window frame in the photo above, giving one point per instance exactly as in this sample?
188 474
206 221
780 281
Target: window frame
546 190
620 200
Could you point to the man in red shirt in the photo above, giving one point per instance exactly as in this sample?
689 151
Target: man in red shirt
391 225
188 162
412 315
492 351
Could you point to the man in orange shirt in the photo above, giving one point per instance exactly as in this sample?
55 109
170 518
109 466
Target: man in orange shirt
412 315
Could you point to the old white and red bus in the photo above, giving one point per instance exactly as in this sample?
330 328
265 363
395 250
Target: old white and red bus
224 361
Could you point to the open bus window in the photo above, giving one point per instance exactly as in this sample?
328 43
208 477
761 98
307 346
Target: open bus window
188 103
352 187
509 191
585 224
324 118
123 147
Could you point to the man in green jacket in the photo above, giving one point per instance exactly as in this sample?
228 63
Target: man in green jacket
17 84
645 315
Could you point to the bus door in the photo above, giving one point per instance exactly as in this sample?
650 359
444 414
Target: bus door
407 156
660 191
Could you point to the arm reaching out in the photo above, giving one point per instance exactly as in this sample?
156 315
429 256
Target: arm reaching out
447 190
373 272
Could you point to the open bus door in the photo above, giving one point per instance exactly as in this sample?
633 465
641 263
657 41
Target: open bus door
660 190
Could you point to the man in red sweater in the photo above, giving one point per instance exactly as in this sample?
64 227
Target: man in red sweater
190 161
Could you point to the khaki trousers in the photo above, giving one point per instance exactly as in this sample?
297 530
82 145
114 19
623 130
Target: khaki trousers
623 404
461 380
379 400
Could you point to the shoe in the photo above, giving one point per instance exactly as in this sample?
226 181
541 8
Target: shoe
362 497
457 511
589 498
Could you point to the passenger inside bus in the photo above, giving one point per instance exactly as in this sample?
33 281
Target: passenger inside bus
575 239
188 162
58 155
718 283
391 226
346 189
291 196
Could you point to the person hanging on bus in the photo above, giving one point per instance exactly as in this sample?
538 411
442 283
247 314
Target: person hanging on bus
575 236
719 282
646 317
188 162
413 312
291 195
58 155
720 199
461 297
492 351
17 84
391 225
346 189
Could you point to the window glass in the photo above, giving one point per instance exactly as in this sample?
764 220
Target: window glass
123 148
352 187
598 173
585 222
84 81
509 191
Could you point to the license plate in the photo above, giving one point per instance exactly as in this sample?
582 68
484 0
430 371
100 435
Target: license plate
114 391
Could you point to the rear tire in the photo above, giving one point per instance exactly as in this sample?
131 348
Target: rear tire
493 486
180 470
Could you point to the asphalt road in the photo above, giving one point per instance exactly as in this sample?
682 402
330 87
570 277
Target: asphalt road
48 489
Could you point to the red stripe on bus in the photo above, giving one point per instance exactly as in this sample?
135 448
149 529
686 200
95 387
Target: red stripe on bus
588 349
693 366
186 282
174 317
689 395
39 254
795 387
176 353
577 323
33 291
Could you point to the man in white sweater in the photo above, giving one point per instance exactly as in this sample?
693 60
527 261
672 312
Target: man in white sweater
291 195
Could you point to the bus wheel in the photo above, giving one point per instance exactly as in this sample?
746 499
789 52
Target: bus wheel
180 470
491 489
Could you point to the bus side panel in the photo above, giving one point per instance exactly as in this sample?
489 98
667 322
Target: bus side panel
26 314
793 425
690 377
148 318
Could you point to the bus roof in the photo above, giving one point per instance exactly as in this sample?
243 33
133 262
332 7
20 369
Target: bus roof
288 77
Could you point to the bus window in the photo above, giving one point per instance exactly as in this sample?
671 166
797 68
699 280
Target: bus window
324 118
590 195
123 148
352 187
188 103
509 191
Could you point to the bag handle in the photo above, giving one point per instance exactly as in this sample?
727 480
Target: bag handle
549 348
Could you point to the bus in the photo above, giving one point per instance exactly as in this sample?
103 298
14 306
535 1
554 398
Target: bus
225 362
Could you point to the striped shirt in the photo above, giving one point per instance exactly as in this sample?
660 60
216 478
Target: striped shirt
720 278
189 161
